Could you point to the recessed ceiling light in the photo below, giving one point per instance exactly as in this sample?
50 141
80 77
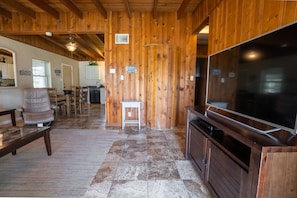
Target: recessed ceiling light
48 33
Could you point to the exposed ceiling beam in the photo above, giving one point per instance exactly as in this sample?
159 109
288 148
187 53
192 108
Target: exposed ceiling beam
99 39
44 6
59 43
5 13
100 7
94 43
72 7
19 7
155 6
85 48
127 8
182 8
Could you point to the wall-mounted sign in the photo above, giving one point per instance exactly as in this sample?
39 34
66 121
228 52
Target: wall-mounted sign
57 72
121 38
24 72
131 69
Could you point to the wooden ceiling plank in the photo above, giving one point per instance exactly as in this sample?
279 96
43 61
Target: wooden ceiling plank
55 41
73 8
59 43
5 13
100 41
128 8
83 46
94 44
155 7
100 7
44 6
19 7
182 8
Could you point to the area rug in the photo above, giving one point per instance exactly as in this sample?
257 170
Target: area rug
76 157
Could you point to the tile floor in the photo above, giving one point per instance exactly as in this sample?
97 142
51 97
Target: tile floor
147 163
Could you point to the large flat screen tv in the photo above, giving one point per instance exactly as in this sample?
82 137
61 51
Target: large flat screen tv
258 79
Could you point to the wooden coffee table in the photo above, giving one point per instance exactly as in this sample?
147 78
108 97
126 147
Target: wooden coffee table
11 112
14 138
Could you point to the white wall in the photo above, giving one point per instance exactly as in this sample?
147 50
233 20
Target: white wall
13 97
83 81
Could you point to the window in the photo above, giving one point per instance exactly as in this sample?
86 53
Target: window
41 74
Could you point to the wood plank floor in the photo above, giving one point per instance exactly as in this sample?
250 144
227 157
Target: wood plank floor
68 172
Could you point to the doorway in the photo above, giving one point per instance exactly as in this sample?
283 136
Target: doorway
201 67
67 76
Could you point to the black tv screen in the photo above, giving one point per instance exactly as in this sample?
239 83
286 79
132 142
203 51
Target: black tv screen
258 78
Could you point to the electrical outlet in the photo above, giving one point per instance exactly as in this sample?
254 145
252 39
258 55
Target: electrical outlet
129 114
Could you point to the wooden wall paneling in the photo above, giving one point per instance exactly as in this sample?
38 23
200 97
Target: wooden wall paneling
173 86
251 24
200 14
137 60
122 59
211 35
145 20
187 66
144 32
232 22
162 84
154 36
171 29
170 85
191 50
111 115
158 78
162 89
122 89
290 12
182 79
238 21
108 60
214 21
223 24
272 15
202 51
166 78
114 114
151 84
257 17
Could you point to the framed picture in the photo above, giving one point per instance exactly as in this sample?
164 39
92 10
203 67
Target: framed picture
121 38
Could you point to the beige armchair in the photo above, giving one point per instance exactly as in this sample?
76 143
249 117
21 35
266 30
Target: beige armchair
36 107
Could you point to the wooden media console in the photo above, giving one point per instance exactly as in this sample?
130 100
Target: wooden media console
236 162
